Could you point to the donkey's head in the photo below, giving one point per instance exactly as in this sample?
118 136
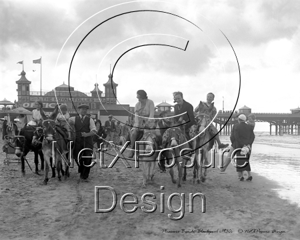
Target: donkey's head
49 129
19 143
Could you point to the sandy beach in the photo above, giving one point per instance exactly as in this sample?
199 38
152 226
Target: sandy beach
65 210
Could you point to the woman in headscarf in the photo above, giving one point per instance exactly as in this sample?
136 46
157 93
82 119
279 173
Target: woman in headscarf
62 119
98 138
144 117
38 114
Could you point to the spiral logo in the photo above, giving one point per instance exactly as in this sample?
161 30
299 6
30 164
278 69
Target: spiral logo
183 41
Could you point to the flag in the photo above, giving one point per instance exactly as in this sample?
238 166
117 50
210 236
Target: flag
21 62
37 60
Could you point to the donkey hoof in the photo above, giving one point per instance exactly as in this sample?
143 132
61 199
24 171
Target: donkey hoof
184 179
173 181
46 181
198 181
59 178
23 173
203 179
179 185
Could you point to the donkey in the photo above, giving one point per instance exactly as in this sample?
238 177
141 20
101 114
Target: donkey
201 145
174 141
55 147
23 144
152 138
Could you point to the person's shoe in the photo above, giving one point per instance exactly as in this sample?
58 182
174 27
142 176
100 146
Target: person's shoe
242 179
249 178
222 145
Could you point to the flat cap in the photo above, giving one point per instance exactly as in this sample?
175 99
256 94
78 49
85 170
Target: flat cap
84 106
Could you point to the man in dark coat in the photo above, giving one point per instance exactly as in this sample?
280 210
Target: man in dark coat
242 137
110 128
183 106
85 130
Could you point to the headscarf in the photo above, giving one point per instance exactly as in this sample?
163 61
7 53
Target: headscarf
142 94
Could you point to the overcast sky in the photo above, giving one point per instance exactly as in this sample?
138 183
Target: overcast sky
265 35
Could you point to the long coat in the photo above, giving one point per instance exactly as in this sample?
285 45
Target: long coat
242 135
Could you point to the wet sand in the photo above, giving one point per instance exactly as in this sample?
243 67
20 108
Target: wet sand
65 210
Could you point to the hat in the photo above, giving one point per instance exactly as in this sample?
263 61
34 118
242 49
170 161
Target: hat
110 116
84 106
31 123
40 103
242 117
63 107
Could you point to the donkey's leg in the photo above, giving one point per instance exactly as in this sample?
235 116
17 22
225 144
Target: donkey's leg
179 167
195 168
205 164
202 167
184 173
198 166
171 171
23 165
36 161
47 165
40 152
24 154
58 166
52 164
144 164
152 168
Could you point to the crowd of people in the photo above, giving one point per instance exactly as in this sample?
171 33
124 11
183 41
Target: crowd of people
91 133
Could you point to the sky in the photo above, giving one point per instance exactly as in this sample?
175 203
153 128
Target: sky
264 35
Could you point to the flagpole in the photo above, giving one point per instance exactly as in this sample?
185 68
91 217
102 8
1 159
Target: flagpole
23 65
41 77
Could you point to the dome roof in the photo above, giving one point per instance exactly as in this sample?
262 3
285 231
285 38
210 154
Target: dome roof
110 81
96 89
6 102
164 104
245 108
23 78
64 87
63 90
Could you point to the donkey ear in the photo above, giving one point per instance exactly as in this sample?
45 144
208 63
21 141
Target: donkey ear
54 113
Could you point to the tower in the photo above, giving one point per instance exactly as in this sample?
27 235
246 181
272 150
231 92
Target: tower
23 87
95 90
110 90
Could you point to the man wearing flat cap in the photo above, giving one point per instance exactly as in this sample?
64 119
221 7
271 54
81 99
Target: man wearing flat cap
85 130
110 128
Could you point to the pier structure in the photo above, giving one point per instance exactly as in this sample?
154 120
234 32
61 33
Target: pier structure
280 123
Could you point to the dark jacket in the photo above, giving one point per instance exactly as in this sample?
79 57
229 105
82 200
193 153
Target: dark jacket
110 127
189 117
242 134
100 133
82 142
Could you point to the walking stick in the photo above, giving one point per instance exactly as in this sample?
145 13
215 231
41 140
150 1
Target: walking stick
28 164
